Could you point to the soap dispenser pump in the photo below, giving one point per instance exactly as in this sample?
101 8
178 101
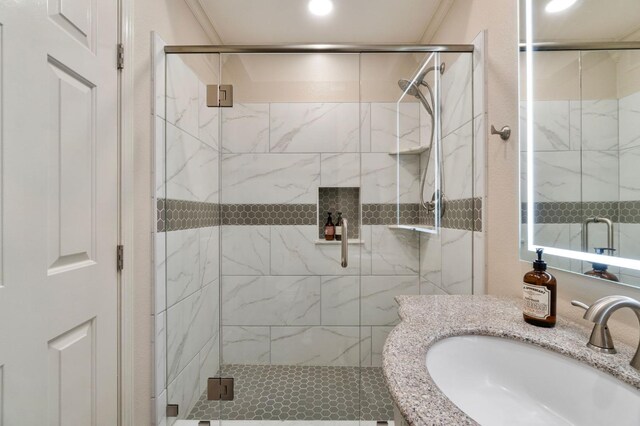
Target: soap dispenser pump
539 294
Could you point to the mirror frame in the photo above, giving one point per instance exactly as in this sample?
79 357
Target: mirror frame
531 246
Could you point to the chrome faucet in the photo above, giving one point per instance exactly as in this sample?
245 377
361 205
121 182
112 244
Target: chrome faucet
599 314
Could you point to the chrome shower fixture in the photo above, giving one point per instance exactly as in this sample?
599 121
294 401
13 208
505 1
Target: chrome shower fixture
412 88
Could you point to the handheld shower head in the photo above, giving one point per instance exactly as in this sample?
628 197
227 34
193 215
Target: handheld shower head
410 88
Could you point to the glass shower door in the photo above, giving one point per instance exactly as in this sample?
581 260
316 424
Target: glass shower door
187 241
290 311
261 319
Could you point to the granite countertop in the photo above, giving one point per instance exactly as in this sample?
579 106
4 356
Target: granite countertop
428 319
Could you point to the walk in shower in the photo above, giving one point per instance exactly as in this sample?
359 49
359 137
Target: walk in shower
246 285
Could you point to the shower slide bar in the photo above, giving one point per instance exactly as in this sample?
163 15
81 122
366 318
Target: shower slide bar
320 48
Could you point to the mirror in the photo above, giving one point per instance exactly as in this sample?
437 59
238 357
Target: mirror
580 135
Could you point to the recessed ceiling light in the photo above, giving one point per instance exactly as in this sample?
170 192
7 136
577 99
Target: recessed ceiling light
555 6
320 7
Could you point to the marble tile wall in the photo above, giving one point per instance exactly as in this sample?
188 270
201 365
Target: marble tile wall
286 299
187 248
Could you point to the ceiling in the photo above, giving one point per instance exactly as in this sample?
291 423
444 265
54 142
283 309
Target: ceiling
586 20
352 21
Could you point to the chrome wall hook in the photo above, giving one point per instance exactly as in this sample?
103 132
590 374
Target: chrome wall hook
505 132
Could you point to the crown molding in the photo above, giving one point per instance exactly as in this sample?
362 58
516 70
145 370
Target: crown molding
436 21
204 20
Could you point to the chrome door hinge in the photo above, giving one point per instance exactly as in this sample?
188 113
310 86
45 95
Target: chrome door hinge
220 96
173 410
219 389
120 60
120 257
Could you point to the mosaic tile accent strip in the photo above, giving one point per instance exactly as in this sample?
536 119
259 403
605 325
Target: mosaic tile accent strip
334 200
268 214
629 211
464 214
175 215
287 392
577 212
385 214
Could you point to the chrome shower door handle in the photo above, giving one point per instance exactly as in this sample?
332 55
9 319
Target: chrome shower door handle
345 244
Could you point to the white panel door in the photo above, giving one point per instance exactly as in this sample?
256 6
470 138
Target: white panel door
58 288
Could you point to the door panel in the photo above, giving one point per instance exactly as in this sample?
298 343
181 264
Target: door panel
71 381
71 183
58 300
290 312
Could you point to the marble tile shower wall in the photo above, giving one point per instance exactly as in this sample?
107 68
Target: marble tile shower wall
453 262
587 152
186 311
286 299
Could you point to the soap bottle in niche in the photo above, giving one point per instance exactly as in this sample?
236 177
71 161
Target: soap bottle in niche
539 292
329 229
339 227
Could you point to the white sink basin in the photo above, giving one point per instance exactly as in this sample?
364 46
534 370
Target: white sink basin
503 382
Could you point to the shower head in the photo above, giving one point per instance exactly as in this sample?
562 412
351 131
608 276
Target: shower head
410 88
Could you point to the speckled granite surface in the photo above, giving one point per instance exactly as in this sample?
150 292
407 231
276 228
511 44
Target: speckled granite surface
428 319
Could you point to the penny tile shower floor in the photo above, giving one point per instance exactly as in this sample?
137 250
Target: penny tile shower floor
283 392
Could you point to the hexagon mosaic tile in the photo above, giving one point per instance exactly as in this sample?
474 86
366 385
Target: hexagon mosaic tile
577 212
283 392
464 214
386 214
268 214
174 215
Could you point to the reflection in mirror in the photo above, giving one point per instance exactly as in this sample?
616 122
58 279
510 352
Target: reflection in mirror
580 137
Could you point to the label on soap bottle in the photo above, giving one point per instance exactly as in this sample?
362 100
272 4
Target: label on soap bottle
537 301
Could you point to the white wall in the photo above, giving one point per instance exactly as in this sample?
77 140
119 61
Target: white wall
505 270
175 22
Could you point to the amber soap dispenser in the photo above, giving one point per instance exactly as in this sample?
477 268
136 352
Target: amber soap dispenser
539 292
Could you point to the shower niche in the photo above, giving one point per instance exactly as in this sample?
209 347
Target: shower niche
345 201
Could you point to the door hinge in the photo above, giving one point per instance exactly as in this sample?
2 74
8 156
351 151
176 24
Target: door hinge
120 59
219 389
120 257
220 96
173 410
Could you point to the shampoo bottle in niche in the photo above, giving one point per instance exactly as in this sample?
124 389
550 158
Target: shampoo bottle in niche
339 227
329 229
539 292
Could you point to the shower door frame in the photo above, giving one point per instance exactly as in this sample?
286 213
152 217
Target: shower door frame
315 48
319 48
